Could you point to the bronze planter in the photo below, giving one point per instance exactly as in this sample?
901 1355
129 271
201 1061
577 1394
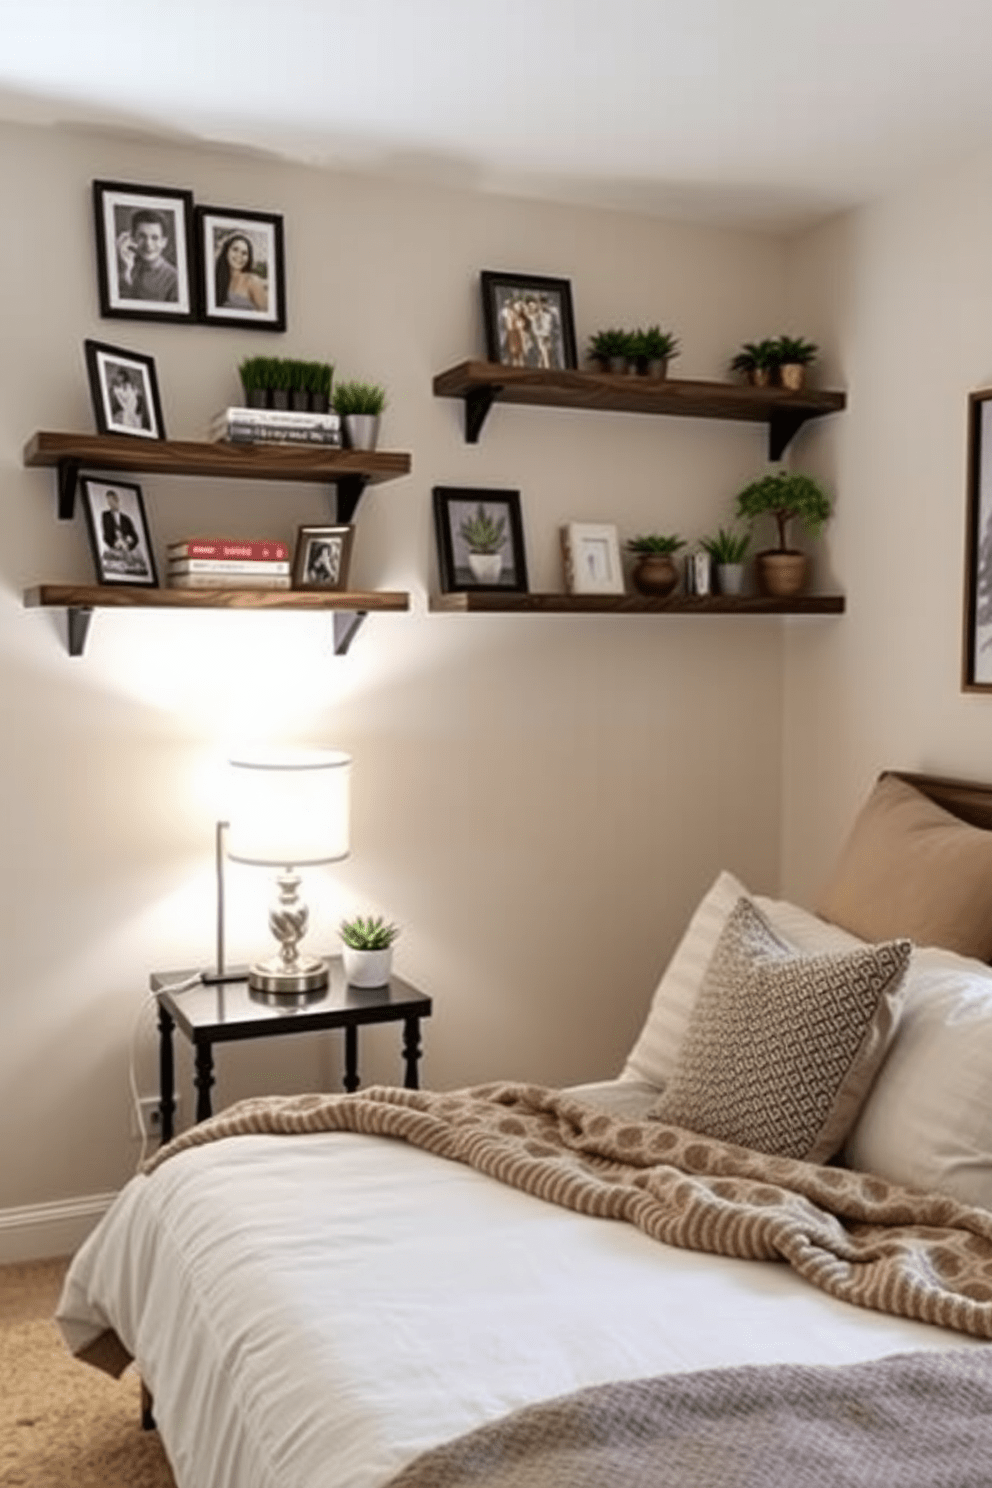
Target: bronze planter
781 575
655 575
792 376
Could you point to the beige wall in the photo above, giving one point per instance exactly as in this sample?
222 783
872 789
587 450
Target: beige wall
539 801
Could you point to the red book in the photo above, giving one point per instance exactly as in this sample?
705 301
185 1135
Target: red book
259 550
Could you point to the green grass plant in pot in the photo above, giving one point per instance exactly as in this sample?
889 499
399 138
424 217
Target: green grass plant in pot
484 536
367 950
360 406
652 350
758 360
727 551
794 356
654 574
611 349
786 496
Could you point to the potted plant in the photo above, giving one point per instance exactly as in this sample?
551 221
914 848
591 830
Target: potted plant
611 350
758 361
654 573
484 536
794 356
318 378
254 373
360 406
785 495
299 391
652 350
280 382
367 950
727 551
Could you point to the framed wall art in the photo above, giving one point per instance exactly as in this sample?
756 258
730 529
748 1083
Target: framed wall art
124 390
977 661
118 532
144 244
321 557
591 558
529 321
241 268
480 539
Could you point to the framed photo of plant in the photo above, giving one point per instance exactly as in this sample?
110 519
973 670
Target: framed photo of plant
977 668
241 263
480 539
529 321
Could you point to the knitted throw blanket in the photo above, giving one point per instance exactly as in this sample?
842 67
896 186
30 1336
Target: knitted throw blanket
913 1254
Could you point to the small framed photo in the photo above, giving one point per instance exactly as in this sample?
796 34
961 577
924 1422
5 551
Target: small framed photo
118 532
124 390
144 244
240 261
529 321
591 555
977 668
321 558
480 539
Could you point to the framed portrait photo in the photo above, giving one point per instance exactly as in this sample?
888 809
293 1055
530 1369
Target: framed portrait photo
241 268
480 539
144 245
322 557
977 667
118 532
529 321
124 390
591 557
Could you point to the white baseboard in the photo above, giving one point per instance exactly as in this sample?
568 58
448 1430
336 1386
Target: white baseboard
38 1232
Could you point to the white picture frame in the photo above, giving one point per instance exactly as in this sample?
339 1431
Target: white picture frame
591 556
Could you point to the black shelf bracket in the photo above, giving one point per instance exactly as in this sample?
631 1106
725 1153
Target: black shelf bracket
68 478
78 619
349 493
478 402
782 425
347 624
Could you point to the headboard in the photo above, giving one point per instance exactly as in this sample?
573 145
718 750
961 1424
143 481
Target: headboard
966 799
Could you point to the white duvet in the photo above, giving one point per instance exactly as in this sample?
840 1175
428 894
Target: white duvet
314 1311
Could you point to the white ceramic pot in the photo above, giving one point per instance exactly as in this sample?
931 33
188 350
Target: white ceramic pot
366 968
486 567
361 430
730 578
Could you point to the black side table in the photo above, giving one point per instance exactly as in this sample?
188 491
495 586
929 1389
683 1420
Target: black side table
225 1012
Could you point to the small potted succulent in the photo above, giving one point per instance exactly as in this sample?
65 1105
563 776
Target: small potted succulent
652 350
611 349
484 537
654 573
728 550
794 356
786 495
758 360
367 950
360 406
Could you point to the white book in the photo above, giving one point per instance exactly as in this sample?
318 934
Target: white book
232 566
287 418
269 434
229 581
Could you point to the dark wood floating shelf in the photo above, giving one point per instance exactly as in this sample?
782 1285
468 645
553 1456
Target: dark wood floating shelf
491 601
80 600
480 384
349 470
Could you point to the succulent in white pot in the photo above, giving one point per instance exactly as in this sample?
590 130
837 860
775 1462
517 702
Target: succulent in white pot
728 550
484 536
367 950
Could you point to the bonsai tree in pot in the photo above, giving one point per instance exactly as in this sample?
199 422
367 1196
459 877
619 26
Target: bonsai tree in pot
652 350
786 495
484 536
360 406
654 573
611 349
367 950
758 360
728 550
794 356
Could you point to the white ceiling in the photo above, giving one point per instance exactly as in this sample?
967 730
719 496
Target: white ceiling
770 112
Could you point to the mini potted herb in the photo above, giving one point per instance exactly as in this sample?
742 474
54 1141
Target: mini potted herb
254 373
727 551
758 361
360 406
299 392
652 350
367 950
654 573
484 536
794 356
787 496
280 382
319 376
611 349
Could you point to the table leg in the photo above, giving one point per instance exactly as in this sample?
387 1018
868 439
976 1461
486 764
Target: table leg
166 1072
204 1078
350 1057
411 1051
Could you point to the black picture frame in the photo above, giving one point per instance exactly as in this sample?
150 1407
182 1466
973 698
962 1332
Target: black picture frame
118 532
322 557
124 390
529 321
453 507
977 645
262 295
144 250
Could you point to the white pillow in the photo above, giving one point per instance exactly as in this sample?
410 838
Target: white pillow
653 1055
927 1121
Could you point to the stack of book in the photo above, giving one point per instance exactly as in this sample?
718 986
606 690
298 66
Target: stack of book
228 563
275 426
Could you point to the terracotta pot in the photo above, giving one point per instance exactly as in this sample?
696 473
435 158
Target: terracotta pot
781 575
792 376
759 376
655 574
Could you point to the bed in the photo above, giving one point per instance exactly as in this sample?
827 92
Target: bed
313 1302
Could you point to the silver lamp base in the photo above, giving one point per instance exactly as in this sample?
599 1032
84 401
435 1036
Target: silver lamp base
308 974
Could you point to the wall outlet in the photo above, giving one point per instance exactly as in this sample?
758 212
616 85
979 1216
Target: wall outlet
151 1115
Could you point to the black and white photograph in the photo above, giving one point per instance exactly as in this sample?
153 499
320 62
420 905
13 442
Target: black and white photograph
480 539
118 532
978 575
144 241
240 261
529 321
321 557
591 557
124 390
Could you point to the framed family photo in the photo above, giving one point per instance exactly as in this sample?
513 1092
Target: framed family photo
977 668
591 558
241 268
480 539
144 244
529 321
322 556
124 390
118 532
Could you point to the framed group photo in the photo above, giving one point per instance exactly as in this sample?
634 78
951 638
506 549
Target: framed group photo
118 532
480 539
322 557
529 321
242 272
144 243
124 390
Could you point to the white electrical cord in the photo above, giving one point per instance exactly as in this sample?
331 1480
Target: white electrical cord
147 1004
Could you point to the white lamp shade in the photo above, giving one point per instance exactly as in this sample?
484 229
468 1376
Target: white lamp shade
289 808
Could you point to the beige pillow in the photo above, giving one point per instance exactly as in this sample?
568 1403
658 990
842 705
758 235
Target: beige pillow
781 1048
911 868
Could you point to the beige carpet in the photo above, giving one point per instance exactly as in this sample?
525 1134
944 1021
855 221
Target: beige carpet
64 1424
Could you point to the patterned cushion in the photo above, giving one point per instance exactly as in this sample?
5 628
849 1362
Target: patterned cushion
781 1048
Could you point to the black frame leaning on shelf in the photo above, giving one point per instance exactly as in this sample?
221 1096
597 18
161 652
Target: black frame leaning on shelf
124 390
529 320
977 645
144 247
117 528
454 506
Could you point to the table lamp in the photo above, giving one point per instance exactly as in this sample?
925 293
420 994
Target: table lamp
288 810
